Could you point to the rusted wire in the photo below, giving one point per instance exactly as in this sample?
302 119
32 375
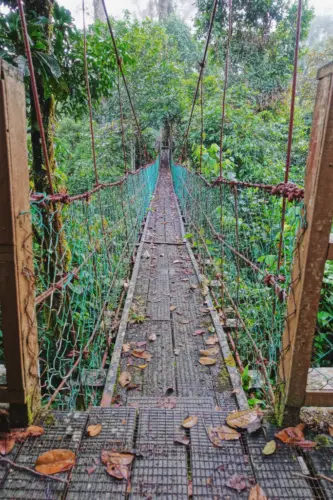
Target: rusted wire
86 76
122 122
66 198
35 94
120 66
202 67
288 190
226 74
201 124
291 128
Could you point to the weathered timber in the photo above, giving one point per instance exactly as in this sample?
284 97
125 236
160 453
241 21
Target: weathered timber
16 259
310 256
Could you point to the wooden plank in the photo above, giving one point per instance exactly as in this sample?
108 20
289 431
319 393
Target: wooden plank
330 248
16 258
318 398
309 258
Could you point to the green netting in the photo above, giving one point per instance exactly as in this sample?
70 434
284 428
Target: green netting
249 222
82 255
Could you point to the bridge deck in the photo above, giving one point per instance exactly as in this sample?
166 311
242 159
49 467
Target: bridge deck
168 307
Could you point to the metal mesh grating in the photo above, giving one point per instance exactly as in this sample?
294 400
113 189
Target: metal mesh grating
322 462
227 402
212 469
118 426
160 469
182 404
278 474
162 476
64 431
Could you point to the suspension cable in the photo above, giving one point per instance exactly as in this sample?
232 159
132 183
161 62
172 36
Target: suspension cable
291 127
226 75
202 67
35 94
120 66
86 74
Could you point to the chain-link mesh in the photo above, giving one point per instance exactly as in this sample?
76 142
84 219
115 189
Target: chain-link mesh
235 231
82 255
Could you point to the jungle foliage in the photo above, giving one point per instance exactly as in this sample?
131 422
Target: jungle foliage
161 62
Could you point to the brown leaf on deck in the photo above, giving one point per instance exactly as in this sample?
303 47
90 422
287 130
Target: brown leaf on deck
54 461
94 430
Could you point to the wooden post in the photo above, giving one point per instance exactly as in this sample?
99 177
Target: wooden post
17 295
309 258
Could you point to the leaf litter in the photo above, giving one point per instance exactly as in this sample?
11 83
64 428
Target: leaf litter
190 422
54 461
295 436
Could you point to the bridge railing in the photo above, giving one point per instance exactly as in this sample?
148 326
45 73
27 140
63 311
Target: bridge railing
64 263
235 231
267 282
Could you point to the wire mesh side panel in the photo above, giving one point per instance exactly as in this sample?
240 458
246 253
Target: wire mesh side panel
83 253
235 233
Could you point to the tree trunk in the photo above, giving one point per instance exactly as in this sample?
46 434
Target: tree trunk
99 14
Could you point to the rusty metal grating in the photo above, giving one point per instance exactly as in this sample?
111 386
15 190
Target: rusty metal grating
162 476
62 430
118 427
322 462
160 469
211 470
182 403
280 474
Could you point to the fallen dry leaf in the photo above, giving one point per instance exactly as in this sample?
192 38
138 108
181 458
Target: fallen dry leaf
190 422
142 354
212 434
152 337
256 493
6 444
210 352
237 482
141 343
35 431
118 471
199 332
173 308
225 433
295 436
242 419
212 340
184 321
125 379
54 461
116 457
269 448
126 347
91 469
94 430
142 367
207 361
330 430
182 440
193 287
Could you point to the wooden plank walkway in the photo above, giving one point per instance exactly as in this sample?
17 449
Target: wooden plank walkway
168 306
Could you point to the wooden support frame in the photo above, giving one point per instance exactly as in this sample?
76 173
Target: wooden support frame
309 259
17 295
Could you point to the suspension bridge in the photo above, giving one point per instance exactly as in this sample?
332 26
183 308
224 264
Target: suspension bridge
143 319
